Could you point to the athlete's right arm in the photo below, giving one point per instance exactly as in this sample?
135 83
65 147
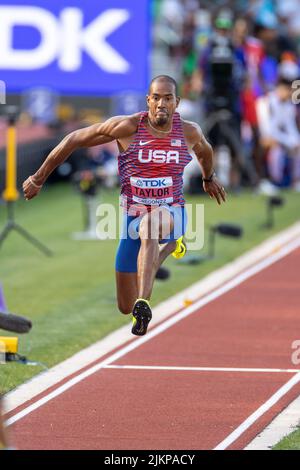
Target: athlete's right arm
118 127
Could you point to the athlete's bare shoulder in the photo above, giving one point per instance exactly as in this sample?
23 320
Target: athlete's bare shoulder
120 127
192 132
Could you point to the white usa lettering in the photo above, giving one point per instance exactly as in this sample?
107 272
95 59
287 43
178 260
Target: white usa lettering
158 156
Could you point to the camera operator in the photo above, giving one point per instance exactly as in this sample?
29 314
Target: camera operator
220 79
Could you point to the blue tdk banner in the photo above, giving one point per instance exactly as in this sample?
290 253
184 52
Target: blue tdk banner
75 46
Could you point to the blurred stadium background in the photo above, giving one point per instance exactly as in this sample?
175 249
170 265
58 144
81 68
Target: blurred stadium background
226 55
69 64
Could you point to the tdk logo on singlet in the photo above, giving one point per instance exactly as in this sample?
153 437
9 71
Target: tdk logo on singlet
154 183
158 156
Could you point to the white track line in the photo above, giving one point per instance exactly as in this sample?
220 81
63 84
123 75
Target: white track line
201 369
159 329
258 413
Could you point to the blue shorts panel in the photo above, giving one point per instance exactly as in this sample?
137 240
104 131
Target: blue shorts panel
129 246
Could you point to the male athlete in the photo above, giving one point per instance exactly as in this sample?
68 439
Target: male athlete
154 149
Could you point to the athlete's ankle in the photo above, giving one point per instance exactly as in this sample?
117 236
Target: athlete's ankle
147 301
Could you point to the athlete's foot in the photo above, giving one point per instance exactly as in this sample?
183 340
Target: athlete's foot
141 317
180 249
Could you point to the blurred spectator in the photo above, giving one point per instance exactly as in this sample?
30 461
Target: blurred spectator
279 133
288 11
104 162
100 160
221 79
221 69
170 25
275 37
254 54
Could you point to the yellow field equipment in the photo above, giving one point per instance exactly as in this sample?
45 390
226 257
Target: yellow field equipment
8 344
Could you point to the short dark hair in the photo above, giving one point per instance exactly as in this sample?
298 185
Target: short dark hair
284 81
166 78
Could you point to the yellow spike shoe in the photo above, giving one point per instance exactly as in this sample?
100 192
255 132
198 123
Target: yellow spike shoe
180 249
142 316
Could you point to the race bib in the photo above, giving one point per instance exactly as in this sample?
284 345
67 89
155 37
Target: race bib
152 191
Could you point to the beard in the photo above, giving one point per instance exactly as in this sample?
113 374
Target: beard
161 120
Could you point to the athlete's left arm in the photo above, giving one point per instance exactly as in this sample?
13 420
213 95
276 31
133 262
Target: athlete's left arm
197 142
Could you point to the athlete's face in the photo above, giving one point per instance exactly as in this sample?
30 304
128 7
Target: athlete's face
285 91
162 102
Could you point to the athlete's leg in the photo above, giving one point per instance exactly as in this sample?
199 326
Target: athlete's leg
165 250
126 264
155 226
127 291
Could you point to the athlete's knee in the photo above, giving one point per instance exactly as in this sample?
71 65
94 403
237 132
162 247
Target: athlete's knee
149 227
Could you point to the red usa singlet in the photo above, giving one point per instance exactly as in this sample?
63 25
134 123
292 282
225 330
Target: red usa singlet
151 169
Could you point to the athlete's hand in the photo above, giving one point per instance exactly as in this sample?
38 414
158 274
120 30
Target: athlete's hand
31 188
215 190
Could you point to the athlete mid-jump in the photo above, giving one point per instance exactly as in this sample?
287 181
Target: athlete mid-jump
154 149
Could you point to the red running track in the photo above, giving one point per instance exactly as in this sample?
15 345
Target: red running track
250 326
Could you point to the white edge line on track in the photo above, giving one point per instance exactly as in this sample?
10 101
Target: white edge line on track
258 413
201 369
50 378
159 329
282 425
